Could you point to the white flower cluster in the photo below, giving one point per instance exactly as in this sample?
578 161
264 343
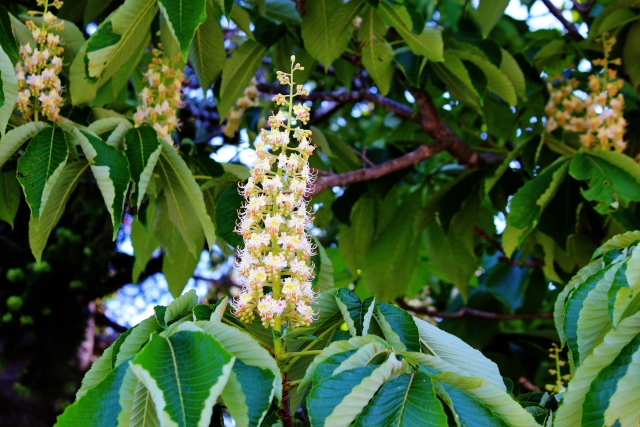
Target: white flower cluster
274 220
234 116
39 87
599 118
161 96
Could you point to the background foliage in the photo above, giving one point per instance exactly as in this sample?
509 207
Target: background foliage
429 121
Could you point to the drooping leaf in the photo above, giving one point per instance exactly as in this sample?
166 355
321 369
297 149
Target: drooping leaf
9 196
207 52
509 66
226 217
237 73
9 89
325 36
143 240
323 279
183 17
428 43
356 238
110 167
40 228
179 260
184 198
7 40
180 306
41 165
489 13
185 373
142 148
377 54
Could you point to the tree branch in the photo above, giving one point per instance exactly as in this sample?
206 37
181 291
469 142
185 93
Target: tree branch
568 25
414 157
466 311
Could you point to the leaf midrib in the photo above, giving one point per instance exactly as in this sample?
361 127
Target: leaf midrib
175 367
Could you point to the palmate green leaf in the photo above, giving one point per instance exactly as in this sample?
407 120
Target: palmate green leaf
9 89
142 148
497 81
408 399
559 307
531 199
489 13
614 178
393 255
9 196
81 89
238 72
377 54
611 358
99 406
179 261
207 52
183 17
41 165
324 35
428 43
456 76
118 37
245 394
356 238
324 270
184 197
456 352
7 40
181 305
226 215
337 400
111 170
40 228
143 240
185 373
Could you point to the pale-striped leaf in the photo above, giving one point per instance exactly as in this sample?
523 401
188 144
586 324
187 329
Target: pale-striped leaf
98 371
40 228
559 307
618 241
142 148
398 327
99 406
428 43
248 393
115 42
9 89
453 350
102 126
184 196
337 400
137 406
405 400
604 355
81 89
41 165
181 305
207 52
111 170
116 138
183 18
134 340
11 142
185 373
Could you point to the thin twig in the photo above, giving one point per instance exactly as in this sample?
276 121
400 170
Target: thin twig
568 25
466 311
